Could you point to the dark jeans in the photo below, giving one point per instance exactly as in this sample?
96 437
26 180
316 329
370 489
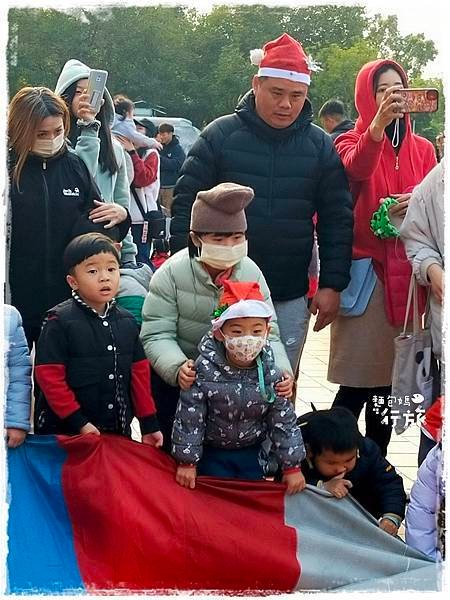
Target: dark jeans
355 398
143 248
166 399
241 463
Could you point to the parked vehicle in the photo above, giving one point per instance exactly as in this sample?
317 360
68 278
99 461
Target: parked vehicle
186 132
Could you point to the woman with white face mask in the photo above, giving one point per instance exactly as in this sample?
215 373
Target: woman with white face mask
50 190
185 290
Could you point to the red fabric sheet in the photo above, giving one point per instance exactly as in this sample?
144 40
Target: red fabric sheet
135 528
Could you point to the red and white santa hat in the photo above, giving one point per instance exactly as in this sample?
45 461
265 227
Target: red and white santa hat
240 299
284 58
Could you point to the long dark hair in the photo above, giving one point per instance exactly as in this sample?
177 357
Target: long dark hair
107 158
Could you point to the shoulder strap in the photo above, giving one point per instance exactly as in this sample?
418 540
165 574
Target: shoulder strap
138 202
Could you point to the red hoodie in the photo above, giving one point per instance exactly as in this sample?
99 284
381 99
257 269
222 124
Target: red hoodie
375 171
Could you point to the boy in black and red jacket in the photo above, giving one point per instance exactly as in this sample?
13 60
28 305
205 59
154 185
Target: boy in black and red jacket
91 371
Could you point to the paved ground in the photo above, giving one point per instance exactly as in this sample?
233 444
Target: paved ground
314 387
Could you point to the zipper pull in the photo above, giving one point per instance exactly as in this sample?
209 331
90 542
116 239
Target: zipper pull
44 165
396 163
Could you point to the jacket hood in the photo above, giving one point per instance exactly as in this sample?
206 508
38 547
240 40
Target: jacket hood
364 95
174 141
246 109
141 273
73 71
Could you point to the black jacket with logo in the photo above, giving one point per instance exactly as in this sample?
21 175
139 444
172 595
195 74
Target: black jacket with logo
376 484
52 195
294 172
172 157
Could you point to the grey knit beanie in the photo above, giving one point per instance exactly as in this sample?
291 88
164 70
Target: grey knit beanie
221 209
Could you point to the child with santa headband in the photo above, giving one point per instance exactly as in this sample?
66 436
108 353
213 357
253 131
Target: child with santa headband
223 419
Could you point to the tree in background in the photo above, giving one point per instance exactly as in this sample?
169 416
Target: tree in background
197 65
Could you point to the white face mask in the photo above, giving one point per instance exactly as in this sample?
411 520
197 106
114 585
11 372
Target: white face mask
222 257
48 148
245 347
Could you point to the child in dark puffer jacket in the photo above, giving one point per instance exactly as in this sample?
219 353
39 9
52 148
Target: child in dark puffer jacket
222 420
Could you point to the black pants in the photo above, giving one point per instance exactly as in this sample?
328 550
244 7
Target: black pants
355 398
240 463
166 399
32 333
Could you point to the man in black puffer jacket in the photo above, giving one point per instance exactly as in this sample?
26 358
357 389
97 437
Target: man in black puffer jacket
270 144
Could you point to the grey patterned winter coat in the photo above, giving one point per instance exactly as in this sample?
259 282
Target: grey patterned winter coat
225 409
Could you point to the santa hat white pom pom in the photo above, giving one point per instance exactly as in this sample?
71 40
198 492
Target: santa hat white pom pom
256 56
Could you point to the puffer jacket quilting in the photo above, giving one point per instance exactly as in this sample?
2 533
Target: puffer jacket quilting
225 409
294 172
178 310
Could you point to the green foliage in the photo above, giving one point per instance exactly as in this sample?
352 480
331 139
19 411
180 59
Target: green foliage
197 65
412 51
337 79
430 124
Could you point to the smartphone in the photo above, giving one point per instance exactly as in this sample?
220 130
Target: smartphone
420 100
96 87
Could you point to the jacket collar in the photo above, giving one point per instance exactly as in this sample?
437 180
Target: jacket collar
110 306
35 159
247 111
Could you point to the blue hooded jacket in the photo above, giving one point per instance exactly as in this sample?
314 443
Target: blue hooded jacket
17 371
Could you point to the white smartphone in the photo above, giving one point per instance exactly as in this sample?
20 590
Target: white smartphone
96 87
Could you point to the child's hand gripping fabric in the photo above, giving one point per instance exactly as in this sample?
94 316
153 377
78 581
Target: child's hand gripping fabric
89 428
294 480
390 523
186 475
338 486
153 439
15 437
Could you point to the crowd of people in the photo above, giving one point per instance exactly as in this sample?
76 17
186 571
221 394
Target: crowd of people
201 342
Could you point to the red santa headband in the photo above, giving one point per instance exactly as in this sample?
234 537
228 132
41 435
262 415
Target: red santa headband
240 299
284 58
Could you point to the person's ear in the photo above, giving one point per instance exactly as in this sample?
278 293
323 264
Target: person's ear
255 83
219 335
269 328
118 246
195 239
72 282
